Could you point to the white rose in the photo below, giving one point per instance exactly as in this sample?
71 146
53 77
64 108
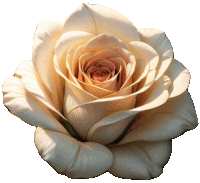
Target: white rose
103 95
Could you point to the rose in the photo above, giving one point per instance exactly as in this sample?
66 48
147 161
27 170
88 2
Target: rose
36 96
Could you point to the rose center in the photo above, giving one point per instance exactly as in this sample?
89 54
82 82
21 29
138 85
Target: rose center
101 70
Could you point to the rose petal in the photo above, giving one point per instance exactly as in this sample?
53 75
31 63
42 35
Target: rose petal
157 39
103 41
106 131
90 89
128 63
141 71
46 36
140 160
168 121
80 92
71 157
34 86
25 106
72 39
101 131
94 20
89 113
142 50
179 76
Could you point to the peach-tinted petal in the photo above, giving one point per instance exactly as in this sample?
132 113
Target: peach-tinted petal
72 39
84 86
71 157
168 121
142 50
141 71
96 21
105 131
103 41
34 86
25 106
157 39
179 76
77 91
46 36
89 113
140 160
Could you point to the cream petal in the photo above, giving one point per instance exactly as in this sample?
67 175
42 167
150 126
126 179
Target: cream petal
71 157
96 21
140 160
168 121
34 86
158 40
79 92
106 131
25 106
91 89
130 60
69 59
46 36
89 113
72 39
180 78
157 97
107 54
142 50
75 61
103 41
141 71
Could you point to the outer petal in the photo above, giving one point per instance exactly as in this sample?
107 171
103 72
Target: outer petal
33 85
143 51
71 157
28 108
157 39
46 36
180 78
108 111
99 19
165 122
89 113
140 160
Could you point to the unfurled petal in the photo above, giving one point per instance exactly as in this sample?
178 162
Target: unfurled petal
72 39
140 160
71 157
108 111
179 76
103 129
103 41
96 22
142 50
168 121
34 86
141 71
25 106
46 36
157 39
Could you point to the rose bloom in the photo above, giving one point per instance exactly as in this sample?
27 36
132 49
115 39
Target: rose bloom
103 95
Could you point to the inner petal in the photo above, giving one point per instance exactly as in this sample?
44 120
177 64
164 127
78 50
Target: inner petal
100 70
100 74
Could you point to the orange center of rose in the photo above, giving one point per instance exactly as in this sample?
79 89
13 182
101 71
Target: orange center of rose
100 70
